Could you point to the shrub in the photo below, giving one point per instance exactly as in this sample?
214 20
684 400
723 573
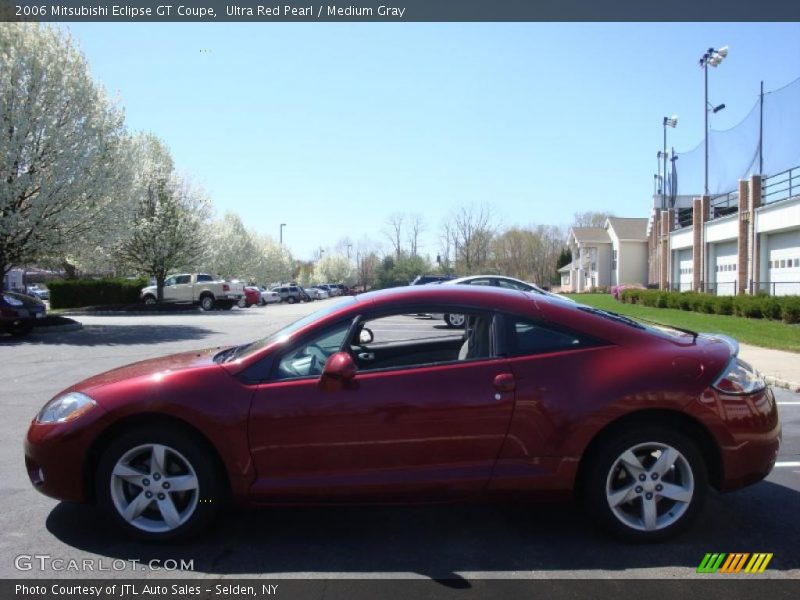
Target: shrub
791 309
723 305
748 306
73 293
771 307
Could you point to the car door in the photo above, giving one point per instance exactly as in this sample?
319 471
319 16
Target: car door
430 430
183 288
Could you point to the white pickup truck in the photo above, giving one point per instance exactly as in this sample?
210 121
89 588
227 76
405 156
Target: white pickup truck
197 288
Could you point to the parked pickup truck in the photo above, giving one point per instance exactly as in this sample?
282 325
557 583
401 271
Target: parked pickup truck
198 288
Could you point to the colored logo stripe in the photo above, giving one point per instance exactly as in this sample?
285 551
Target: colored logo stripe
733 563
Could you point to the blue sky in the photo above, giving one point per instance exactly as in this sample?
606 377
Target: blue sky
330 128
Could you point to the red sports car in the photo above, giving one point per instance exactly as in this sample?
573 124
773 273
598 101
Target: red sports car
362 401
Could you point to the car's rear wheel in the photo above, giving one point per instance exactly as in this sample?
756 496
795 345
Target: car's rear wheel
207 302
646 485
242 303
290 300
149 300
455 321
157 483
20 327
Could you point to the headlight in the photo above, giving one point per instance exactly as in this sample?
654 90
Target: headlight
65 408
739 378
11 301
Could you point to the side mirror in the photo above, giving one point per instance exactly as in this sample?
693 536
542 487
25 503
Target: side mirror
339 371
365 336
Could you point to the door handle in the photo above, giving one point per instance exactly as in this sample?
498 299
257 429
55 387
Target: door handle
366 355
504 382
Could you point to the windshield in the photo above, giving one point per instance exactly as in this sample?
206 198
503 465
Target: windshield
282 334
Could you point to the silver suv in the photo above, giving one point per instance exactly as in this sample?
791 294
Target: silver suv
291 293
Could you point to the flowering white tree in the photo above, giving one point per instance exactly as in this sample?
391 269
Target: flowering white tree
232 250
169 219
62 146
334 269
272 262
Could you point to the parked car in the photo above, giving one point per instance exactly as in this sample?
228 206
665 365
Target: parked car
536 398
269 297
198 288
457 320
252 297
316 293
331 289
18 312
291 293
38 292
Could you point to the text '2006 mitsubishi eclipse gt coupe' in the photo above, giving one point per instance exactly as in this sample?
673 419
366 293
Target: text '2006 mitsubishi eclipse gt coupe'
364 402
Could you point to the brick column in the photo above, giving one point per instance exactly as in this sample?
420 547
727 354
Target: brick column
743 244
699 218
755 198
666 223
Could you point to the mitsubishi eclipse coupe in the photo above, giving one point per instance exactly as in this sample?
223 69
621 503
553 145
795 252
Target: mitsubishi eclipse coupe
361 402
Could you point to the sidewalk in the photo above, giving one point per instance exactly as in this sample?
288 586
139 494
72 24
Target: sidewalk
781 369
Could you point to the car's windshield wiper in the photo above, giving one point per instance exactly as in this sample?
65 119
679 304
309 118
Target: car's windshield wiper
637 322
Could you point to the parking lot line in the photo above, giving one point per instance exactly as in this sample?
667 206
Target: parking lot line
790 463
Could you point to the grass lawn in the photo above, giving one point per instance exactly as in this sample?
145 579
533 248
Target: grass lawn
757 332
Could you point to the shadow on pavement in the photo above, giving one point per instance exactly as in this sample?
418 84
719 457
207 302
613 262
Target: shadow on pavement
112 335
441 541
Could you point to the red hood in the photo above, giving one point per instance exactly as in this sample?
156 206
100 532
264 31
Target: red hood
154 366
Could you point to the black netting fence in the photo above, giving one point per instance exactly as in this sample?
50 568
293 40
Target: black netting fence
766 141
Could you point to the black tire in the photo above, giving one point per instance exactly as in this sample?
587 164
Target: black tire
605 474
291 300
207 302
20 328
150 300
199 513
454 321
242 303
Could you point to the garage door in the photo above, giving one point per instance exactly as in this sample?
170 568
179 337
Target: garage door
685 270
725 268
784 263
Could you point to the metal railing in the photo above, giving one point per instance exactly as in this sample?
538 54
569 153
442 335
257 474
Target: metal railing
775 288
781 186
683 218
724 205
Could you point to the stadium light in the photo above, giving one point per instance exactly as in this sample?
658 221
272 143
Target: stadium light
714 58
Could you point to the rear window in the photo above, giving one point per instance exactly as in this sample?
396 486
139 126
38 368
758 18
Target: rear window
204 277
529 337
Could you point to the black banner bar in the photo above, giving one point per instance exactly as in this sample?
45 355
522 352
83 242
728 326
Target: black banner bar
732 587
396 11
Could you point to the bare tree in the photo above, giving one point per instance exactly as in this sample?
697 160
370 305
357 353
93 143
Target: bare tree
590 219
416 226
471 228
394 232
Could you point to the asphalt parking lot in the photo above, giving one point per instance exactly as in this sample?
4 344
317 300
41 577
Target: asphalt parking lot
439 542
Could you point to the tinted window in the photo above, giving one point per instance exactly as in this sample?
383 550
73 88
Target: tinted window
180 279
527 337
203 277
513 285
479 282
308 359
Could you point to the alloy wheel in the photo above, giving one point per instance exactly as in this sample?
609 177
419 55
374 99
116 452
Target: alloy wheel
650 486
154 488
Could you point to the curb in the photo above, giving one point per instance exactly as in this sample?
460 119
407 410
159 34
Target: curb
782 383
58 328
120 313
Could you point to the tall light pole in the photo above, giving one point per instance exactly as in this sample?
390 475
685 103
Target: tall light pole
349 246
668 122
714 58
281 233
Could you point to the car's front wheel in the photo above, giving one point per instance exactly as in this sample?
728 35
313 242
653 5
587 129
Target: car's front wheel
242 303
455 321
646 485
290 299
157 483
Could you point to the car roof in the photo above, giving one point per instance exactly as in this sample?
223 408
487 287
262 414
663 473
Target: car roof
478 295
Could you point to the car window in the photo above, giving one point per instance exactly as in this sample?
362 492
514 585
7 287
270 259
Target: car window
170 281
528 337
181 279
513 285
409 340
484 281
203 277
308 359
